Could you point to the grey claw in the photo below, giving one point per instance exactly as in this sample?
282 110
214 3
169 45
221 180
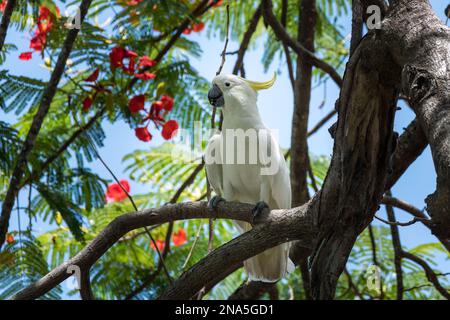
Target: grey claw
259 209
214 202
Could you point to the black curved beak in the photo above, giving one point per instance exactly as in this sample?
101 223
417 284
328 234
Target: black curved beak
215 97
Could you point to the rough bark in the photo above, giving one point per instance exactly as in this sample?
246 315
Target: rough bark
211 271
422 47
364 137
363 146
299 135
302 98
252 290
4 24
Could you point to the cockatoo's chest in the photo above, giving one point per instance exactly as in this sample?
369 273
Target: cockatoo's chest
242 182
241 167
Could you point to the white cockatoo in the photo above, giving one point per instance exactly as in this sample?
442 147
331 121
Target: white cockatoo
258 176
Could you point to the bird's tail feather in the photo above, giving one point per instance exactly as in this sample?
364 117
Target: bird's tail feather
270 265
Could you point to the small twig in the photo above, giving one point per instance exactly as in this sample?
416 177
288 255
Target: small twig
223 54
400 224
396 243
351 284
188 257
136 208
246 39
418 287
374 256
430 274
311 176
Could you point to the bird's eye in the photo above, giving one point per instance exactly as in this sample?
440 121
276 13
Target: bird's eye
227 84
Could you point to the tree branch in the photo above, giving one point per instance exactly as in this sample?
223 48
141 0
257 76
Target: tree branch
4 24
182 211
282 34
357 25
418 216
252 290
246 39
397 251
431 275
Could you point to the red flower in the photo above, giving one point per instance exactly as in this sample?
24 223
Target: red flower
25 56
187 31
9 238
38 41
87 103
159 243
3 5
44 13
145 75
146 62
116 57
94 76
45 20
136 103
118 54
115 192
198 27
169 129
167 102
179 238
143 134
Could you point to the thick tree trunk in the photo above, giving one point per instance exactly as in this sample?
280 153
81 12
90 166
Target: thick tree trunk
299 136
302 98
414 45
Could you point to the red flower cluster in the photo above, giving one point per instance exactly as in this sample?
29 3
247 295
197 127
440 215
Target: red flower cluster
45 23
160 244
157 112
178 238
115 193
196 27
126 60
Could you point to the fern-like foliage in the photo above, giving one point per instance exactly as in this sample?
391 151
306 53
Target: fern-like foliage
21 264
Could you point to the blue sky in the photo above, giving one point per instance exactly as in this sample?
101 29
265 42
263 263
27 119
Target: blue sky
276 107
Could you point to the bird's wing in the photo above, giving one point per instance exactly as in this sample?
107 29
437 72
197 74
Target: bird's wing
281 185
278 180
213 163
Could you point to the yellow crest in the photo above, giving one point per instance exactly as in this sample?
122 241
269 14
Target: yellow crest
261 85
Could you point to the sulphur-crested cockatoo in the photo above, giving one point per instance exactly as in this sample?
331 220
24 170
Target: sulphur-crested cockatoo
245 164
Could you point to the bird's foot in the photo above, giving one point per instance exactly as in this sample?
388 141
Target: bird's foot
258 210
214 202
